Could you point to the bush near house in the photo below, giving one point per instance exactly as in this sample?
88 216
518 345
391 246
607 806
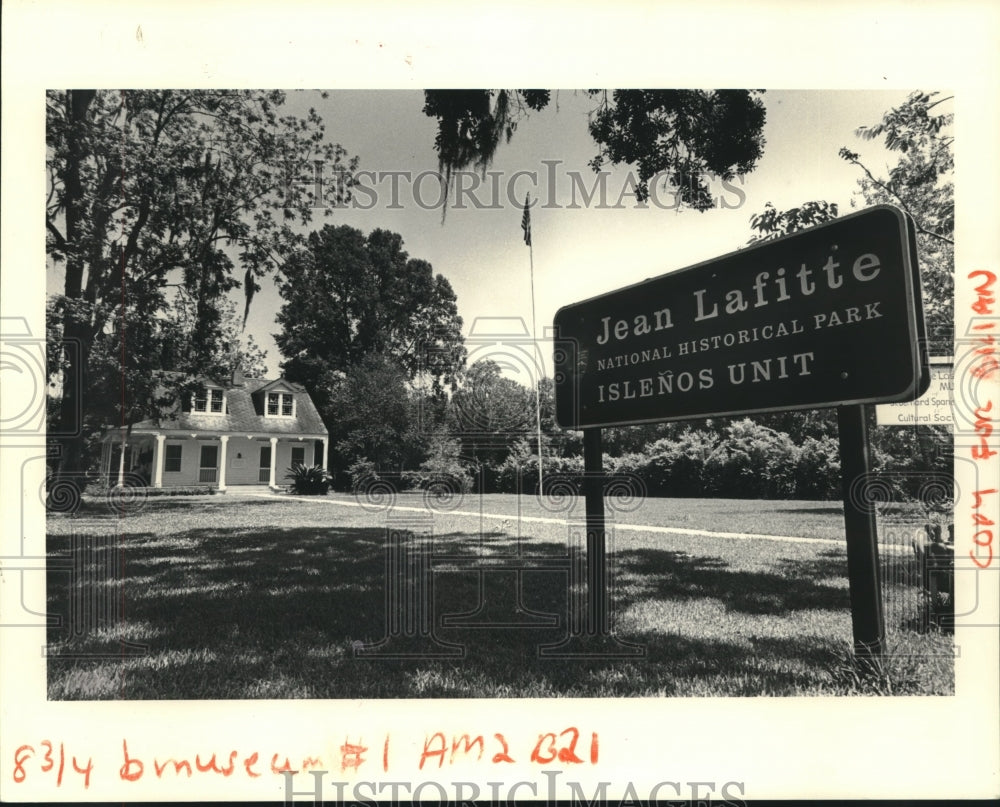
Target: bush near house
309 480
102 491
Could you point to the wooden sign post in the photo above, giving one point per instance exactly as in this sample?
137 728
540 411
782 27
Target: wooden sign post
826 317
867 620
597 568
594 638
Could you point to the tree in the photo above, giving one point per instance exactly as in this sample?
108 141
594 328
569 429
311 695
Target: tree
564 442
680 137
348 296
142 366
490 412
148 188
444 466
920 183
230 350
772 223
127 377
372 416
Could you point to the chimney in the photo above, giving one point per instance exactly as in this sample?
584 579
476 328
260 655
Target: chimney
237 377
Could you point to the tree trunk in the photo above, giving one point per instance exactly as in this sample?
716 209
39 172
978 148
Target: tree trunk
76 334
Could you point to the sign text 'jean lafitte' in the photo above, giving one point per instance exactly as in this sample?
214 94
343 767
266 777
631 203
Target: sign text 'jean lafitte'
819 318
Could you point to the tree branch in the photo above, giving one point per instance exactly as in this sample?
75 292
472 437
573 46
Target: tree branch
60 239
906 207
940 101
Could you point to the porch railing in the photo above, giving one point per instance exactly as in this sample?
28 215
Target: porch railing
264 476
209 475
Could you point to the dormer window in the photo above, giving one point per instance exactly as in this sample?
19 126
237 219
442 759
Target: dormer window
280 404
209 400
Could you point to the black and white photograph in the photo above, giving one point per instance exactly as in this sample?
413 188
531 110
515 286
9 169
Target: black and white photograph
409 439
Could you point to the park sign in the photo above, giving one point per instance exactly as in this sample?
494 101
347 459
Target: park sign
824 317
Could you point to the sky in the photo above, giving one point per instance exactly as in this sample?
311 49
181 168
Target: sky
577 252
579 249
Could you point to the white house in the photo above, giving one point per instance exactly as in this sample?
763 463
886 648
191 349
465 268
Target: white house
243 432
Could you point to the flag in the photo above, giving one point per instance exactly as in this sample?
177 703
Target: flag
249 287
526 222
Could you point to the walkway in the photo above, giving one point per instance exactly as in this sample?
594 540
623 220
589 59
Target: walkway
618 525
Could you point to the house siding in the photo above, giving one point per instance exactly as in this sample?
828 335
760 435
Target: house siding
190 455
243 471
240 470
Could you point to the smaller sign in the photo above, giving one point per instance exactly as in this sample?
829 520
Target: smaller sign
933 408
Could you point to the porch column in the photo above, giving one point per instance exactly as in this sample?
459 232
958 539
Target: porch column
274 460
121 463
158 460
224 439
105 462
324 453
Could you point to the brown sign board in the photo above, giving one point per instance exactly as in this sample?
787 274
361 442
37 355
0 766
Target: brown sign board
824 317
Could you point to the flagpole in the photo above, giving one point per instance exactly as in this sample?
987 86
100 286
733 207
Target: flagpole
534 333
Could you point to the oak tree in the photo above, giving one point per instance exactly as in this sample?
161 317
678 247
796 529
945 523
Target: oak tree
153 188
681 138
921 183
348 296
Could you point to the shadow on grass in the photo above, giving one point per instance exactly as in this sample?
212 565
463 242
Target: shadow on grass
909 510
897 568
677 575
829 565
274 612
96 505
835 510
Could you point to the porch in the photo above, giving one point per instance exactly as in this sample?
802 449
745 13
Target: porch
163 459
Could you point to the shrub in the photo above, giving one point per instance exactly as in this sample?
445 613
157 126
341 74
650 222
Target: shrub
361 470
189 490
670 466
817 469
443 467
681 466
309 480
101 491
521 467
458 480
633 463
753 462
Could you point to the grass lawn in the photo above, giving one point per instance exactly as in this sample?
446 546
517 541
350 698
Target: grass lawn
227 597
820 520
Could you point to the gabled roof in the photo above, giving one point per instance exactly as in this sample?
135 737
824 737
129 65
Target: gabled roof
282 384
245 413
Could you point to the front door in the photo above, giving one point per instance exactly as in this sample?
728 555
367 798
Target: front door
208 470
264 474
